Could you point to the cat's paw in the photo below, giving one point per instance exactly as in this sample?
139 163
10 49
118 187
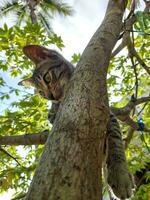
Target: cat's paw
119 180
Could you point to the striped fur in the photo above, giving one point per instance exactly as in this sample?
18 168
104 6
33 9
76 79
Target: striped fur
50 76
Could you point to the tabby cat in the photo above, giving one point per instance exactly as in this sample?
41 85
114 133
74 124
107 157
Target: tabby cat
50 76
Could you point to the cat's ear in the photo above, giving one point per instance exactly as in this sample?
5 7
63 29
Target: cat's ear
27 82
35 53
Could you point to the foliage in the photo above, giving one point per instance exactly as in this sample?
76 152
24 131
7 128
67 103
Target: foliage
26 113
122 86
45 10
143 192
75 58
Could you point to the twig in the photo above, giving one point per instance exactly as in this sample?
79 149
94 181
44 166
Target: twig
126 110
131 54
142 100
21 196
144 33
8 154
132 51
123 114
142 109
141 62
121 46
127 26
129 137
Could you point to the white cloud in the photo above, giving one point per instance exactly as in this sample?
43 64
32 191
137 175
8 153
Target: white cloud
76 31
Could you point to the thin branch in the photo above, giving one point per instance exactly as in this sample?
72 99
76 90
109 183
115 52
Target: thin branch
8 154
21 196
131 55
129 137
126 110
136 80
130 122
134 102
127 28
121 46
142 109
142 32
141 62
142 100
123 114
133 52
126 33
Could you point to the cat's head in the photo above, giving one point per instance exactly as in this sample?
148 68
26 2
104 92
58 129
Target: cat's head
51 72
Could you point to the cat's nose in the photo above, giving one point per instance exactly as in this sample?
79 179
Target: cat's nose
50 96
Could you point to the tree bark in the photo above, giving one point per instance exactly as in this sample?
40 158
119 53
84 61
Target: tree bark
32 7
27 139
70 167
123 114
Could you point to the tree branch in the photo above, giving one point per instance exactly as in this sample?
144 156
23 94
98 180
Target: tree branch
127 28
8 154
131 105
123 114
120 47
20 196
28 139
133 52
130 122
142 100
129 137
40 138
126 33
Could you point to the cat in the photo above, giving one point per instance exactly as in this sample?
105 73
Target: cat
51 75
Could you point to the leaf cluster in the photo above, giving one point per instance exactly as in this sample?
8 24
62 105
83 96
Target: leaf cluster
25 113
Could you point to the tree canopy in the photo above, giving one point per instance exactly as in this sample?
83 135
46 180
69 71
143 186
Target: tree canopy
23 118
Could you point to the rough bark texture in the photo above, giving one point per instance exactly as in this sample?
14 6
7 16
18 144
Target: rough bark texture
123 114
70 167
27 139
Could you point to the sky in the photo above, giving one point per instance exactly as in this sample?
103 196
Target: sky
75 31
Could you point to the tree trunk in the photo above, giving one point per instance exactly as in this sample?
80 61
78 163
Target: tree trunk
70 167
32 7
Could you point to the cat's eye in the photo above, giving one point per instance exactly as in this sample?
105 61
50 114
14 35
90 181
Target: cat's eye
41 93
48 77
